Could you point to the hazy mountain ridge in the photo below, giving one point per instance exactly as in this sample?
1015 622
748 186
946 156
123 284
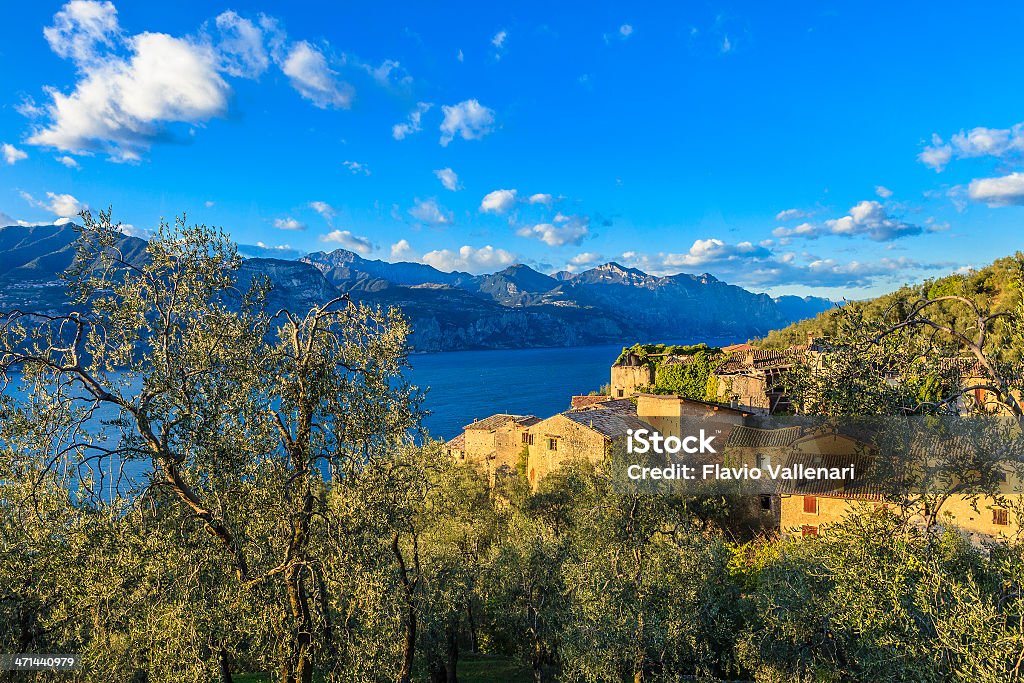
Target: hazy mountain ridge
515 307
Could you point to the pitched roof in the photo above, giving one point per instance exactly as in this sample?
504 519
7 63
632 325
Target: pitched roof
585 401
458 443
750 437
500 419
863 487
609 423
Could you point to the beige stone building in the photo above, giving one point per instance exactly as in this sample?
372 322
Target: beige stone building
631 374
493 443
669 412
585 434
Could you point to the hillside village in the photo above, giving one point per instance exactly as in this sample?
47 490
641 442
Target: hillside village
755 417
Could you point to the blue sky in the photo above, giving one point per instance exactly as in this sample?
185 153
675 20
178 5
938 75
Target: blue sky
836 149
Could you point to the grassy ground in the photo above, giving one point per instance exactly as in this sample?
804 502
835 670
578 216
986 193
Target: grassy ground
472 669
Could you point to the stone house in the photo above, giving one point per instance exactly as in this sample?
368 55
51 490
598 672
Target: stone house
630 374
808 507
668 413
584 434
493 443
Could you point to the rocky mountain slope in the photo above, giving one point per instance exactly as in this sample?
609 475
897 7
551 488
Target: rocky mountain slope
516 307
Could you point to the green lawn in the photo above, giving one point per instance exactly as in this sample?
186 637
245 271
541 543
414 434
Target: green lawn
472 669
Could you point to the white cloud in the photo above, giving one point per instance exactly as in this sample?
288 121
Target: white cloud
309 73
356 168
564 230
242 44
498 201
121 105
792 215
63 205
360 245
428 211
12 154
484 259
288 224
461 57
448 178
1002 191
400 131
131 231
584 260
402 251
468 119
389 74
626 30
209 203
977 142
883 191
868 218
726 45
70 162
541 198
80 27
324 209
498 40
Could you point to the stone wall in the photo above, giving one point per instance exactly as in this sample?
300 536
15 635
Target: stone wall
573 442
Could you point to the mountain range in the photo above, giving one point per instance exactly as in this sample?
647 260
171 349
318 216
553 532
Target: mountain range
513 308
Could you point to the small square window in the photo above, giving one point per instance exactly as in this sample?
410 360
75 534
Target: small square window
766 503
810 505
1000 516
621 393
552 444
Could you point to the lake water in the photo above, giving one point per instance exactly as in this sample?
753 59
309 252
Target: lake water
466 385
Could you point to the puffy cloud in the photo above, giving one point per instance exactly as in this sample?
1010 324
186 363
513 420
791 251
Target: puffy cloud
130 87
868 218
242 44
626 30
883 191
484 259
498 40
792 215
63 205
209 203
540 198
756 266
356 168
12 154
1001 191
448 178
324 209
498 201
288 224
709 251
360 245
402 251
261 250
80 27
429 211
564 230
70 162
413 124
977 142
309 73
468 119
583 260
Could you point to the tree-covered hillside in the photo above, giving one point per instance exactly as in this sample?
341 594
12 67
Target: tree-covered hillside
993 288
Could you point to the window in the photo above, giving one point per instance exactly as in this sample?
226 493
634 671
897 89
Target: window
764 461
1000 516
552 444
810 505
528 438
621 393
766 503
808 530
